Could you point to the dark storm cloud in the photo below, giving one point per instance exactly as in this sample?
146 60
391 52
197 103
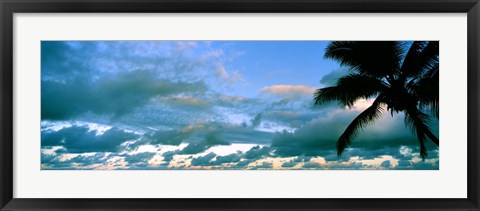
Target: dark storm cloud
114 95
313 139
78 139
319 137
72 63
112 78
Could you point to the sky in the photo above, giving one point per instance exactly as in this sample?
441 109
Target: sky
197 105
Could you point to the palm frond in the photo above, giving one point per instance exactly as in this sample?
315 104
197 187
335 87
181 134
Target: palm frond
426 89
418 122
413 53
422 57
361 121
349 89
372 58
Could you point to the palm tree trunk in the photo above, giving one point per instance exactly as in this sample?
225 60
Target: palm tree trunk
432 137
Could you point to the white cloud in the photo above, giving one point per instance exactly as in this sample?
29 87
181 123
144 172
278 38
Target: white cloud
233 148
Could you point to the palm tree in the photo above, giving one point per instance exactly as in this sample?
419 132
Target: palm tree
400 80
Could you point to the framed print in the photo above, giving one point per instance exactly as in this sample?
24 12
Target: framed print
260 105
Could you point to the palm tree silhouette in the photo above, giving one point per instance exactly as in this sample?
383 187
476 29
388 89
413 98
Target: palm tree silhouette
401 80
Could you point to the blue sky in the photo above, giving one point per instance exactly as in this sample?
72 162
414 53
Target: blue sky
206 105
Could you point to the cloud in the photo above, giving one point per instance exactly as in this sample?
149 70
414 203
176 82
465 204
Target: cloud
289 91
203 160
212 138
173 137
194 148
230 77
319 137
293 118
385 164
216 133
213 160
257 120
48 159
240 134
231 158
242 164
218 60
114 95
331 78
88 159
295 161
264 165
287 97
289 164
138 160
312 139
186 102
77 139
114 78
237 160
62 60
310 165
74 161
428 164
257 152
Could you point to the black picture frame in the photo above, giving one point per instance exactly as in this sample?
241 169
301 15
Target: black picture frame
10 7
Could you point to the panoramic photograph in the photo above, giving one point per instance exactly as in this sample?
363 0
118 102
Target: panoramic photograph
239 105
